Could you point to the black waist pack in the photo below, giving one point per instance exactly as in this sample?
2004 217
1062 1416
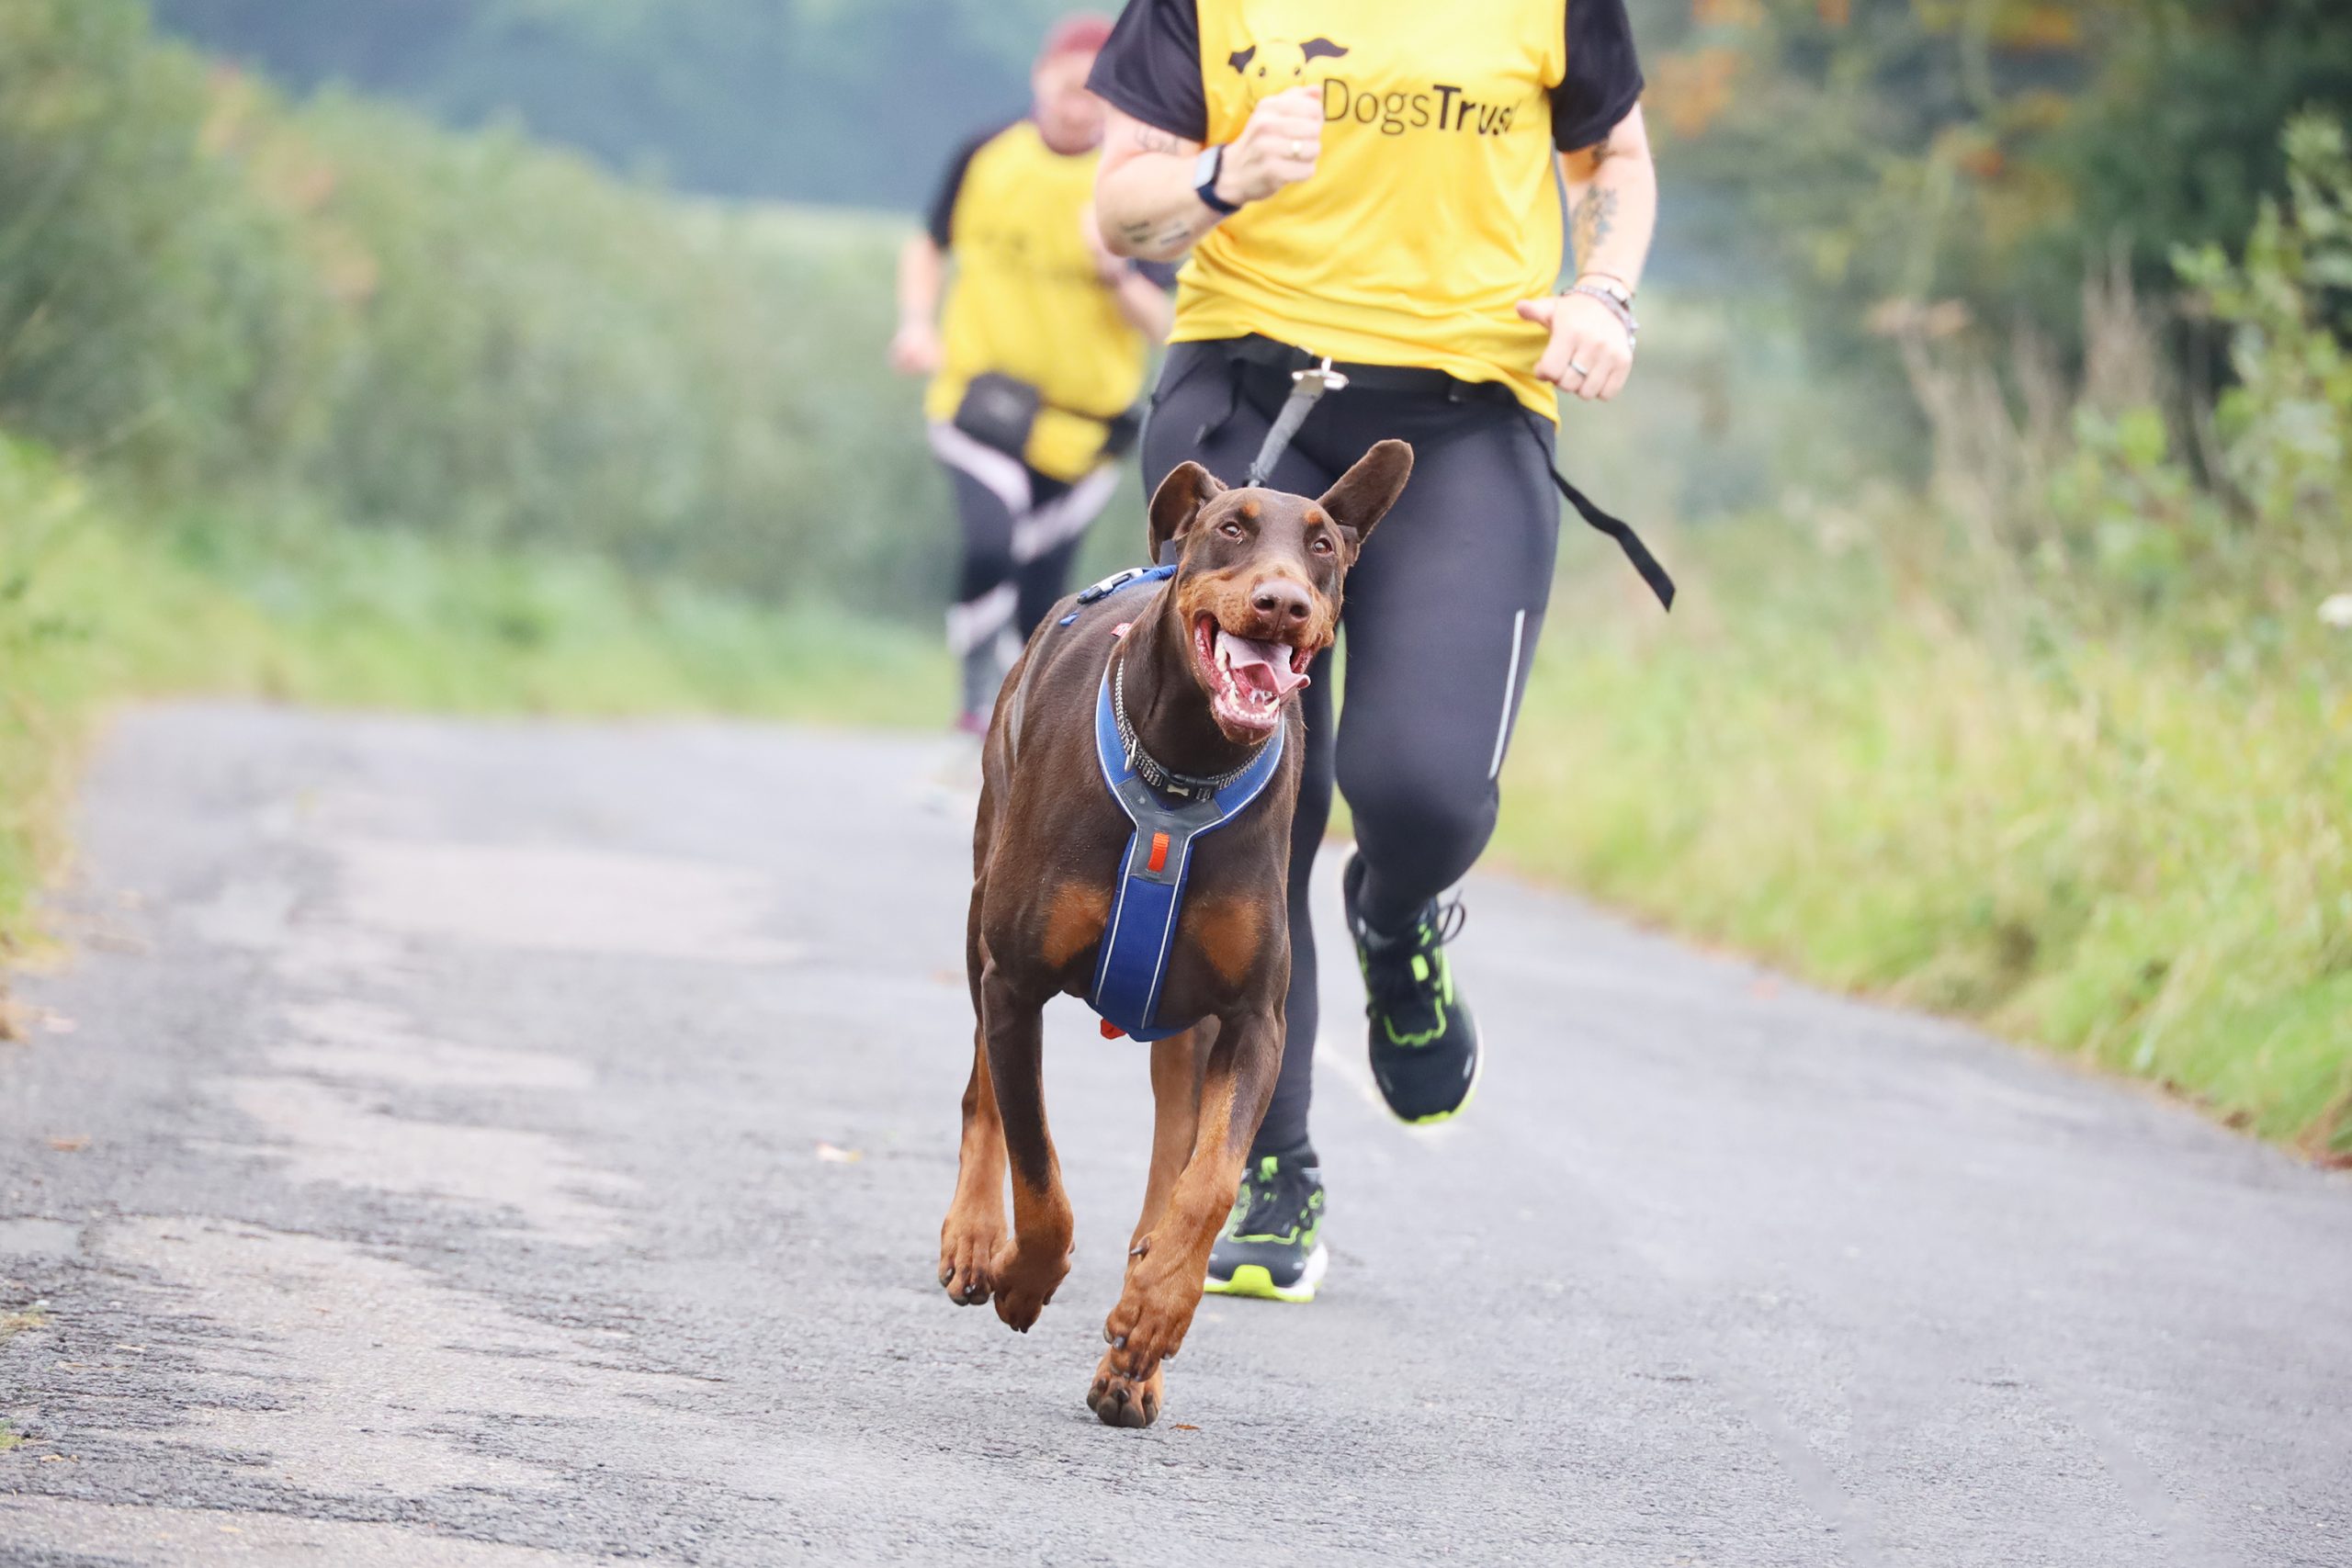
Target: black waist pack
999 412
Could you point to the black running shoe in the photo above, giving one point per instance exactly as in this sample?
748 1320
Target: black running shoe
1424 1042
1273 1245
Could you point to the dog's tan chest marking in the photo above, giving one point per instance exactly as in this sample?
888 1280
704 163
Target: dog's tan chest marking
1228 932
1074 921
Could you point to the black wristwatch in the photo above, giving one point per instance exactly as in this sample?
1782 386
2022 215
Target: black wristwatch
1205 170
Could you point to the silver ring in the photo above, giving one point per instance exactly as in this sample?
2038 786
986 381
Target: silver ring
1298 148
1578 368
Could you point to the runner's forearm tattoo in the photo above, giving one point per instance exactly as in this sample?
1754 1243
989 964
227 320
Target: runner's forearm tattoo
1596 218
1161 234
1179 232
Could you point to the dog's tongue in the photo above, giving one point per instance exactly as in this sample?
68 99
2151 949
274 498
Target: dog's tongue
1263 665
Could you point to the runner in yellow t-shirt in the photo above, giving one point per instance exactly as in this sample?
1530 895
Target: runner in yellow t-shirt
1036 361
1379 182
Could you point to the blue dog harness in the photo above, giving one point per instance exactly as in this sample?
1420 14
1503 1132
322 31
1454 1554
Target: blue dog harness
1140 936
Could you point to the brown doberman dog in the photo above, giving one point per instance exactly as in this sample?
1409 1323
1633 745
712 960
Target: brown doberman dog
1208 661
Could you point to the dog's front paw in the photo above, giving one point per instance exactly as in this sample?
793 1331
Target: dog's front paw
1024 1282
1153 1314
1118 1399
964 1253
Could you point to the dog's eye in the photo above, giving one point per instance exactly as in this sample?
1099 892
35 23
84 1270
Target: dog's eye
1320 544
1232 530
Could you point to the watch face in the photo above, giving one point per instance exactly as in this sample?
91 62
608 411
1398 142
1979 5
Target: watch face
1205 168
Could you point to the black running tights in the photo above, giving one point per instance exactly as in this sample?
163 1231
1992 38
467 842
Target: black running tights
1440 622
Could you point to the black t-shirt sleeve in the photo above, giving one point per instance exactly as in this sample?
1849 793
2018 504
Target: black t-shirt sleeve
941 218
1604 79
1151 68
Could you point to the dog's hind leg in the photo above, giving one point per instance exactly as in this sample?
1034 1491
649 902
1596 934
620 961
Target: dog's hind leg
1030 1265
1166 1269
974 1229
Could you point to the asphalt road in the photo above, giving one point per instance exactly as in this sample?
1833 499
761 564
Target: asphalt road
520 1145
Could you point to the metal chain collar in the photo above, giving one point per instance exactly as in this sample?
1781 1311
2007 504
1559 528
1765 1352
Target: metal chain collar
1148 768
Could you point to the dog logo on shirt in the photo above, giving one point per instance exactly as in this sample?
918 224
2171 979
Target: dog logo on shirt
1278 65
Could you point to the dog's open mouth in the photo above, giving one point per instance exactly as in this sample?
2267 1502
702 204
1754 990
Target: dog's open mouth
1246 679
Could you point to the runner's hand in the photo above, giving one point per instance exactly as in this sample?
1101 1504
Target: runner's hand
1276 149
915 350
1583 332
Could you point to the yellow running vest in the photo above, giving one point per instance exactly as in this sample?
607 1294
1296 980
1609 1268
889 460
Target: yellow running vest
1432 210
1027 302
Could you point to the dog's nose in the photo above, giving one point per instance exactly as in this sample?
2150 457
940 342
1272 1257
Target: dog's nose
1282 599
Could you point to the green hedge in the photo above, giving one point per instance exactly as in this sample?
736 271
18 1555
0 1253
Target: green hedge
341 307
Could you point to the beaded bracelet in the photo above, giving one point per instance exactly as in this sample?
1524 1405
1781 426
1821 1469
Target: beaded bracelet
1617 308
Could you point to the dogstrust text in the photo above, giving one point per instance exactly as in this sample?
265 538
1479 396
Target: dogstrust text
1442 107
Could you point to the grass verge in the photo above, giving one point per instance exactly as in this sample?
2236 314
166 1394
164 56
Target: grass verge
94 611
2112 851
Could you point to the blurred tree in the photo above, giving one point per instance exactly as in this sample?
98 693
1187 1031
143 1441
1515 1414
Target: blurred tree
815 100
1897 153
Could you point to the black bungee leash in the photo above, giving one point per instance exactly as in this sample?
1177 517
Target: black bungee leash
1308 385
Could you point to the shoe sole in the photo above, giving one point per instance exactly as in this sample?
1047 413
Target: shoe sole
1252 1279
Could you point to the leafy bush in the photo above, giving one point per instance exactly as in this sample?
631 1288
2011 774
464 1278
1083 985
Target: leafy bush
2286 424
142 283
341 311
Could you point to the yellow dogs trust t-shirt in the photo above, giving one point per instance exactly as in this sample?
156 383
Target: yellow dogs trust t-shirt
1026 301
1433 209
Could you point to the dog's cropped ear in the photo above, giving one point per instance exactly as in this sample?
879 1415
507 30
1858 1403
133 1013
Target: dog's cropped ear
1178 500
1366 491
